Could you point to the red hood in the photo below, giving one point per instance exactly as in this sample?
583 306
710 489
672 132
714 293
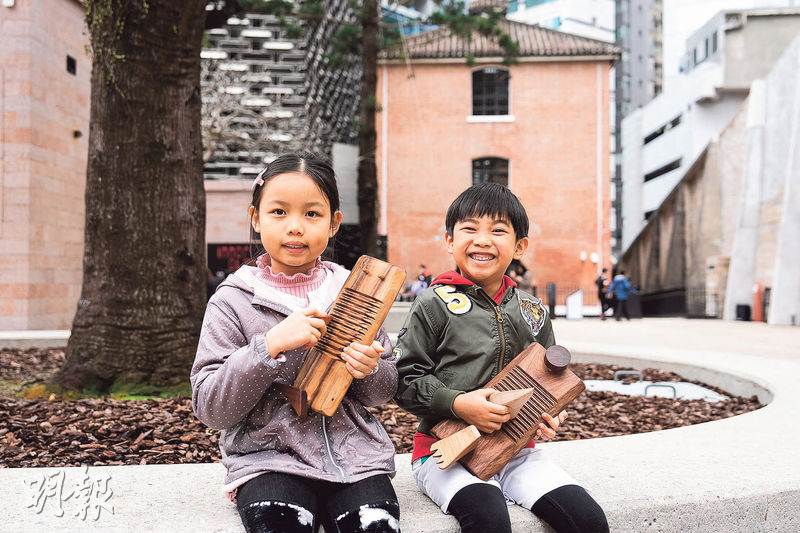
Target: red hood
454 278
451 277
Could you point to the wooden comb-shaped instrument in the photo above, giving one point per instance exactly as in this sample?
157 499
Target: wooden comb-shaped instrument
554 386
451 449
356 316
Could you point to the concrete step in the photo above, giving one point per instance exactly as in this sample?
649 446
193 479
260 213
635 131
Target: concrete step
737 474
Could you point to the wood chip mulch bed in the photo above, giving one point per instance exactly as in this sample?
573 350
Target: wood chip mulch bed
104 431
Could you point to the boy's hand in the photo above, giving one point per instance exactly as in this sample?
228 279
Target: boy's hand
475 408
547 433
361 359
303 328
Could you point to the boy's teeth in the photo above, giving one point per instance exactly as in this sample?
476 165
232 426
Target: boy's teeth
482 257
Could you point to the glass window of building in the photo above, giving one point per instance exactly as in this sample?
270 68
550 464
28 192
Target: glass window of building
490 91
491 170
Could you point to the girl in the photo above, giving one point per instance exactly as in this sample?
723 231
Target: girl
286 473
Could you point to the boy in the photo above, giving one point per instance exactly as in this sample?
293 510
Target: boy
460 333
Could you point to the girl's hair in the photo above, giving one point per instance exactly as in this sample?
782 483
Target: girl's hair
318 169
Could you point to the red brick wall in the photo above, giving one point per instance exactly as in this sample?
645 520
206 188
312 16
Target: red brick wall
426 152
43 169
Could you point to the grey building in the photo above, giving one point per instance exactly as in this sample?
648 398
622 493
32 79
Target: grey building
268 90
639 78
662 139
726 240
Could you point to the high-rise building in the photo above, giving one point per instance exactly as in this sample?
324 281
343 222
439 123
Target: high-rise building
587 18
639 78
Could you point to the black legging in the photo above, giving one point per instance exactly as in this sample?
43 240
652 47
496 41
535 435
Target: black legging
275 502
622 309
568 509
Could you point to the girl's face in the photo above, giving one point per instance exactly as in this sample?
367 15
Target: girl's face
294 221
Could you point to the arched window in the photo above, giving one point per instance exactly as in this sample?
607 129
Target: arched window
490 169
490 91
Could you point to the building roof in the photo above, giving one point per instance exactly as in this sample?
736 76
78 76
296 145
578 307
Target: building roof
534 41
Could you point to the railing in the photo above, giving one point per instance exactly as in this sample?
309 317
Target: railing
562 291
691 302
694 302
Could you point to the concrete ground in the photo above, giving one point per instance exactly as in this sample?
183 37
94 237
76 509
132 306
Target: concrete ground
750 338
738 474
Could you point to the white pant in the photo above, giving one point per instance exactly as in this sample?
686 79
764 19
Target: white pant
527 477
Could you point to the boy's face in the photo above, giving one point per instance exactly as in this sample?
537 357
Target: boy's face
483 247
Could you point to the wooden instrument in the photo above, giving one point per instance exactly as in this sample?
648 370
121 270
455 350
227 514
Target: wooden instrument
554 386
451 449
356 316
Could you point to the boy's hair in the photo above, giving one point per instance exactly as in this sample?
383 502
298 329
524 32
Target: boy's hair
488 199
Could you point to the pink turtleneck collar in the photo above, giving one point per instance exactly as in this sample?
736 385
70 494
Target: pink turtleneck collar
299 284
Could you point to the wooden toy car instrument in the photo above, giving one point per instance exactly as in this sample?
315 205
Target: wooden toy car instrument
356 316
553 387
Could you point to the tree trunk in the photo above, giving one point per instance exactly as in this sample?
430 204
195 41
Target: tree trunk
367 171
143 294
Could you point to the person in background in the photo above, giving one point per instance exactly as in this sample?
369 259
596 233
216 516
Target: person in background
602 283
521 276
621 288
425 275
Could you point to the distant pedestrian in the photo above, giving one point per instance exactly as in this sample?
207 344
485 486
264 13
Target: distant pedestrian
521 276
621 288
425 275
602 283
418 286
212 282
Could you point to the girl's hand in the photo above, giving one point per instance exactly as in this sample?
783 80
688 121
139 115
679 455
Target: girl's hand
362 359
301 329
547 433
475 408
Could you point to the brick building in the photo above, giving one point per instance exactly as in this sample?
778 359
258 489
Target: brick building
540 126
44 127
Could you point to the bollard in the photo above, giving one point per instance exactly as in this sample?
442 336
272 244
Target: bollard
758 302
551 299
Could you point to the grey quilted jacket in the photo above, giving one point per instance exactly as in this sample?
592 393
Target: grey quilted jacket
232 390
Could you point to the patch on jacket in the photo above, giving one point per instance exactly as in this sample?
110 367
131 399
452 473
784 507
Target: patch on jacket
533 312
457 303
402 332
397 352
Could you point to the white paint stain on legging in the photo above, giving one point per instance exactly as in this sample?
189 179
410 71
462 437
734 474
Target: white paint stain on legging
370 515
304 516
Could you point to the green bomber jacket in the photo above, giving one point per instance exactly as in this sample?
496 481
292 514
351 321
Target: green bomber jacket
456 338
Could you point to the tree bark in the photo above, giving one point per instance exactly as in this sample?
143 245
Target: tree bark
143 294
367 170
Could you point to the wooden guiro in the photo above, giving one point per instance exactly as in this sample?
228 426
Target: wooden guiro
542 377
356 316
